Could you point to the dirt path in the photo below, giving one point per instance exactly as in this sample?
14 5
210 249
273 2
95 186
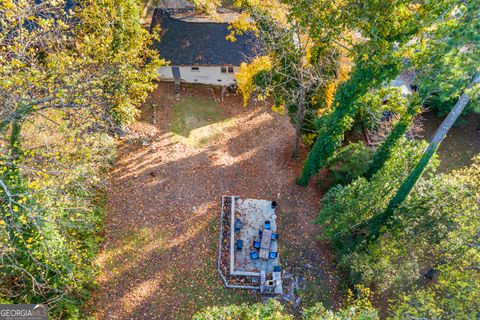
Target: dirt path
162 213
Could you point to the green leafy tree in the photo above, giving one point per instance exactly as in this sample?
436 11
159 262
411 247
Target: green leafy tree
68 78
349 163
403 40
447 57
355 309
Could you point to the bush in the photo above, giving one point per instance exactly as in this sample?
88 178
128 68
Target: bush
272 310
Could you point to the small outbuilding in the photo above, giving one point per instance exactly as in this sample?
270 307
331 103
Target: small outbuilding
197 50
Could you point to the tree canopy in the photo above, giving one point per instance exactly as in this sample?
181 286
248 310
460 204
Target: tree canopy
68 78
355 309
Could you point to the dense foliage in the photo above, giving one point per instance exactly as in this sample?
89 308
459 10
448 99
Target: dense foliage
447 58
382 152
349 163
446 209
406 35
439 217
67 79
273 310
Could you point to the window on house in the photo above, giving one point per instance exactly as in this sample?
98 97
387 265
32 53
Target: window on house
195 69
227 69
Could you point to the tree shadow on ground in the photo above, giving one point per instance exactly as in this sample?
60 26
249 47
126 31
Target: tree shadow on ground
159 257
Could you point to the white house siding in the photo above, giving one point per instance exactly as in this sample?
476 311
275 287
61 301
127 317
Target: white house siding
205 75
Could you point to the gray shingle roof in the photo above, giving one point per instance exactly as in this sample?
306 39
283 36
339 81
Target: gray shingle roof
201 43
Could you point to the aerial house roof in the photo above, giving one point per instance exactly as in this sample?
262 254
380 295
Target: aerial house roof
189 43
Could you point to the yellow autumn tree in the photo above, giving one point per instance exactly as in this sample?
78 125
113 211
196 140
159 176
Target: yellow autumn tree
246 74
67 80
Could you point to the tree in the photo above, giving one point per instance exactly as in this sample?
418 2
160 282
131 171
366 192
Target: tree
332 127
409 182
57 60
300 70
68 78
388 46
446 58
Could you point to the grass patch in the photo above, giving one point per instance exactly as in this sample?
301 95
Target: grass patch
196 122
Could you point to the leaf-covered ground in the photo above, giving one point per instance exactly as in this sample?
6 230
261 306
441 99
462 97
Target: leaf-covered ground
159 256
461 144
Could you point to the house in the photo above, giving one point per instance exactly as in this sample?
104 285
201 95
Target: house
405 82
197 50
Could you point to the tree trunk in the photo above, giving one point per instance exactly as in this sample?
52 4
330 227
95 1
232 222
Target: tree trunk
299 121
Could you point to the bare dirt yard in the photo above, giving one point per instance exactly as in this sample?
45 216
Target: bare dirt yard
163 206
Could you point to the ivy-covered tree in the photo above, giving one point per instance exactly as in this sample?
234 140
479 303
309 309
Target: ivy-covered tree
388 46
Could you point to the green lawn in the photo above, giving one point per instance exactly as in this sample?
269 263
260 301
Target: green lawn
197 121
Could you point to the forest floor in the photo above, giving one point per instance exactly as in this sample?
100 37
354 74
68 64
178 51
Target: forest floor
163 204
461 144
